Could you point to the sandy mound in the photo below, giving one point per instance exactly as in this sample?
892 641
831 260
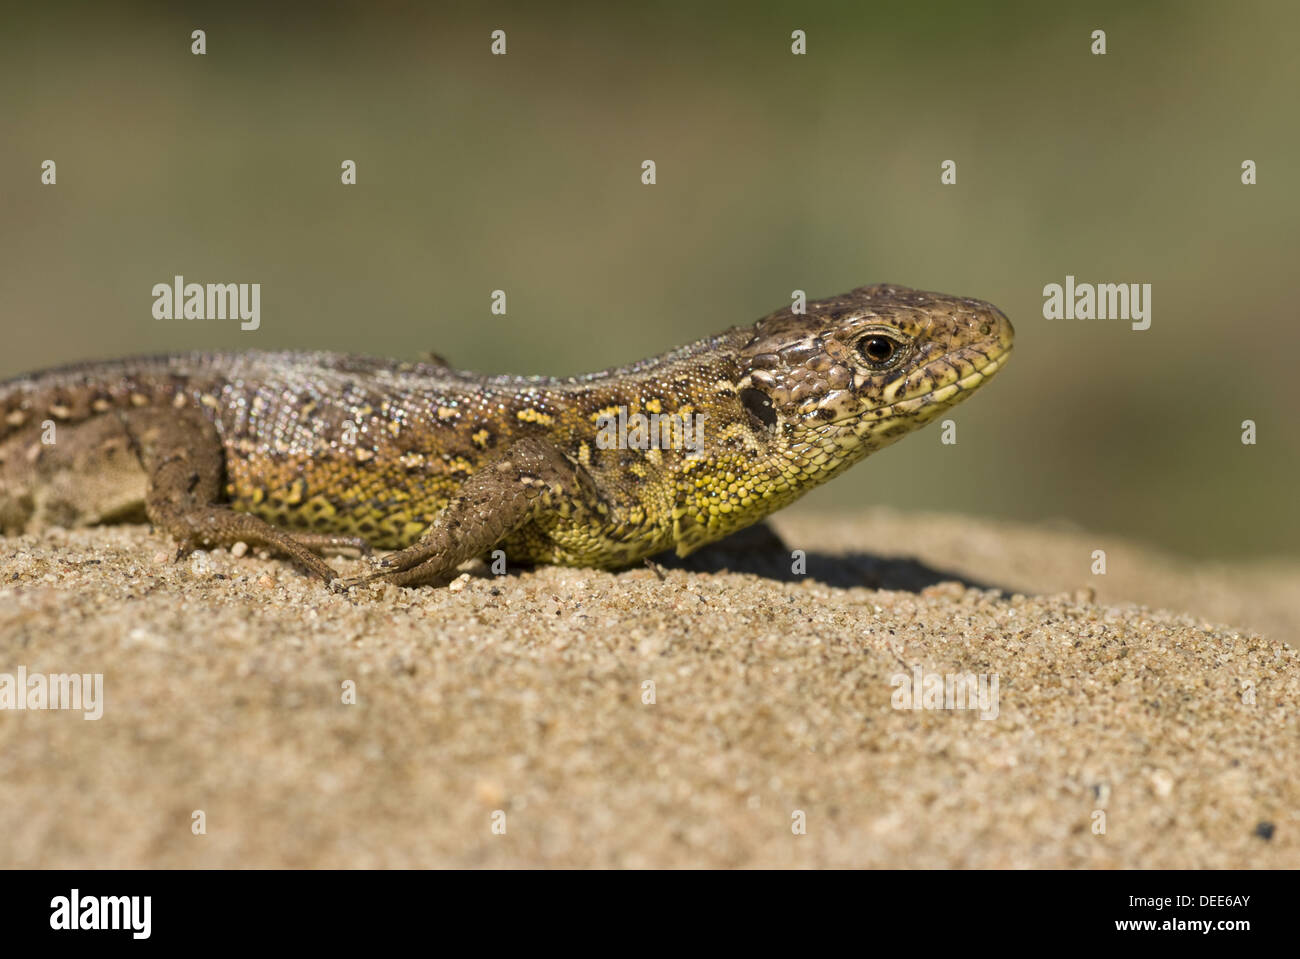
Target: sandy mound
520 701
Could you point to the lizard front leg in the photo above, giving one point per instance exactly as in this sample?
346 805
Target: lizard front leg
529 480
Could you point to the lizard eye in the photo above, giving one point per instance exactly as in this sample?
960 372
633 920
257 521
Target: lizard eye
880 351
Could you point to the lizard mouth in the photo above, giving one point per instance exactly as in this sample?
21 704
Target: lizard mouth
941 397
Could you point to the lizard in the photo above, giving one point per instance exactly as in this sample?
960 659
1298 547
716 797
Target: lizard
304 453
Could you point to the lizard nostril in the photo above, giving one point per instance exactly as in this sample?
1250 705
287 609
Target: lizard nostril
985 329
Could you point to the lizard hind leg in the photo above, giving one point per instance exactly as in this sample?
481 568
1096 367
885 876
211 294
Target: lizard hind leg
184 460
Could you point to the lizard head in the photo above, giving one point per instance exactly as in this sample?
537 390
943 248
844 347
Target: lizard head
856 372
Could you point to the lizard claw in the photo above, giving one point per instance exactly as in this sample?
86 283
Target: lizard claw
343 585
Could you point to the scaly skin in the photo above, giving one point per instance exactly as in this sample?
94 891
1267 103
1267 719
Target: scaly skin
445 465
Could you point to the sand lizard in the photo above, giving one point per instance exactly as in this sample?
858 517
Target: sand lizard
305 452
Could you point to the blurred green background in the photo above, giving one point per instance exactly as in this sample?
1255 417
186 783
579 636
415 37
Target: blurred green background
775 172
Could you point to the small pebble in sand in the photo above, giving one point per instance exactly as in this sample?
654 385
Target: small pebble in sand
1162 783
488 793
239 549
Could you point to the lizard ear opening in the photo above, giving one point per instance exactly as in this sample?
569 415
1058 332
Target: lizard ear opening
759 406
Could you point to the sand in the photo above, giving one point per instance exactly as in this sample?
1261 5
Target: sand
503 721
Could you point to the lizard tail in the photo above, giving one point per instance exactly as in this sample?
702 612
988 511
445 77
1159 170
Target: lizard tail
75 393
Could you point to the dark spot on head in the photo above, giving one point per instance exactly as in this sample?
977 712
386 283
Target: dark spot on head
759 406
1264 830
